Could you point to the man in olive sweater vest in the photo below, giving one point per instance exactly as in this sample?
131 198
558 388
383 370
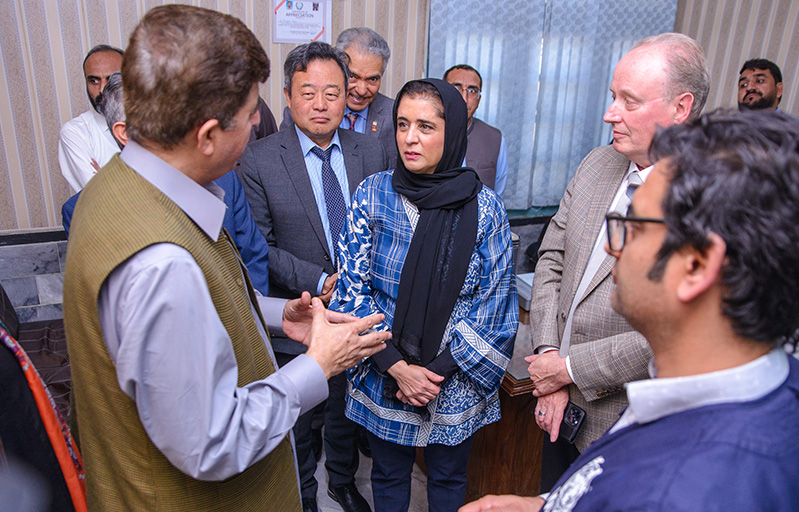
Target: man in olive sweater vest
177 397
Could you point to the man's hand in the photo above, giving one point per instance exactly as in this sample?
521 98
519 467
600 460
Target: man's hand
552 406
328 287
548 372
335 341
417 384
505 503
298 315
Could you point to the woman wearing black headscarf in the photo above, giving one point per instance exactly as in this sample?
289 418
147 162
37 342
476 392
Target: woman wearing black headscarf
430 247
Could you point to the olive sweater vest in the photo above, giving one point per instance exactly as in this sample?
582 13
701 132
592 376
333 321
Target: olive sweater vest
120 214
482 150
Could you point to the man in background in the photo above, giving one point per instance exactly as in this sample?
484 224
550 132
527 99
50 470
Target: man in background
367 111
238 219
486 151
179 402
299 182
707 266
759 86
85 143
586 352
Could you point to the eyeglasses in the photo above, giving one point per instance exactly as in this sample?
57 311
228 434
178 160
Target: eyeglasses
471 90
617 228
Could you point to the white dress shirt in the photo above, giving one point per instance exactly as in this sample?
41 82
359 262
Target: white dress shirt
82 139
174 358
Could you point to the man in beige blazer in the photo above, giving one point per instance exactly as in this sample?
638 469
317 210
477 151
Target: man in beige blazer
584 351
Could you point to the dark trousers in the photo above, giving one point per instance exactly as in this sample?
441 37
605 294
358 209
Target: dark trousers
392 465
340 434
556 459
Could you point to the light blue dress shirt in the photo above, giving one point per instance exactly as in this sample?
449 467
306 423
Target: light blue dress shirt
360 123
174 358
314 166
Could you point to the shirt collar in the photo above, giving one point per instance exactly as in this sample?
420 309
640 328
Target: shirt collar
642 173
363 113
203 204
307 144
653 399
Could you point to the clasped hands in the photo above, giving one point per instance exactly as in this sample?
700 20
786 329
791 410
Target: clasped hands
550 377
334 339
417 384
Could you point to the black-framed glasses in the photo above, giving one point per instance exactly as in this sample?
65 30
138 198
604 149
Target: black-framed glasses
617 228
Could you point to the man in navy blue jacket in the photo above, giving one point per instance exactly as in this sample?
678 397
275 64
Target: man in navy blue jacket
707 270
238 218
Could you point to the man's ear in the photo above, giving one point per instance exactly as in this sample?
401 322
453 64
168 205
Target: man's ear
120 132
779 91
288 97
206 136
701 270
682 107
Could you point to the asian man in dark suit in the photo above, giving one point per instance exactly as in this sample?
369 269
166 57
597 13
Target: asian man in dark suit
299 182
367 111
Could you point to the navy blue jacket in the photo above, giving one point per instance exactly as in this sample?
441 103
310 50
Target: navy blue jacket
724 457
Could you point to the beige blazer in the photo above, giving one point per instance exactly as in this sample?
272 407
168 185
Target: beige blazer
604 350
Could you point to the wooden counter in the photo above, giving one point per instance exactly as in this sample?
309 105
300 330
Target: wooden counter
506 455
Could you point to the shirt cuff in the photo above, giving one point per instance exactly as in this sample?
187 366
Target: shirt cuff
308 378
272 312
545 348
569 367
321 283
387 357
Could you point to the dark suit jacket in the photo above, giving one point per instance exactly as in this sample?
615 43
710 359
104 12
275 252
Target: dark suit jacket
278 188
379 123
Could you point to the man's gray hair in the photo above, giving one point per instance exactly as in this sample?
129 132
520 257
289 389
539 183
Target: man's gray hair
687 67
113 105
366 40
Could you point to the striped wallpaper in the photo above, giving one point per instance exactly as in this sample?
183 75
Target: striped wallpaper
42 46
43 42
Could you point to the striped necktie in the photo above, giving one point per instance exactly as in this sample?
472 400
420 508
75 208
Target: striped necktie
352 117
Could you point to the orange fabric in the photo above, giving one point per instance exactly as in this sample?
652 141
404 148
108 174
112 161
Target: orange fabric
66 451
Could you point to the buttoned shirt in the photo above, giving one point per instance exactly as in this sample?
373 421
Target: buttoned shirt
82 139
360 122
174 358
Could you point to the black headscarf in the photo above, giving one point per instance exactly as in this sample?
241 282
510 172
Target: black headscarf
442 244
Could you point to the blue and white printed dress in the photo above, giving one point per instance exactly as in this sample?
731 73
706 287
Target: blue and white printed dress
372 248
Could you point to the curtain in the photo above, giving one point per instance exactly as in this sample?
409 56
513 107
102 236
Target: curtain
546 68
